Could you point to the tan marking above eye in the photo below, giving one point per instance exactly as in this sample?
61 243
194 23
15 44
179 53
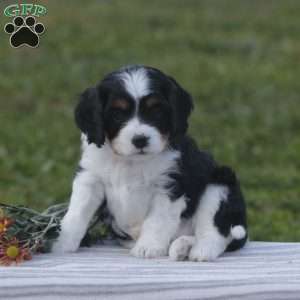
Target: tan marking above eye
151 101
120 103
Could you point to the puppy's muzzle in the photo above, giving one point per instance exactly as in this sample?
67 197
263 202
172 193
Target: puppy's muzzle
140 141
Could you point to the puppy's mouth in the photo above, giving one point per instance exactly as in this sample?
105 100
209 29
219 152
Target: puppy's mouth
139 153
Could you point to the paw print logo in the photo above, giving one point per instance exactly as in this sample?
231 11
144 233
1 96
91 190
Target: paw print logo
24 32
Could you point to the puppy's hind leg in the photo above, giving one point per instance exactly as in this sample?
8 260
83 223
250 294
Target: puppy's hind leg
231 218
220 220
209 242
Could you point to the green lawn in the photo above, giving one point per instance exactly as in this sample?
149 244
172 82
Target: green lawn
239 60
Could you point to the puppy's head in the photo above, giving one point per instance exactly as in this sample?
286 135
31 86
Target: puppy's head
138 110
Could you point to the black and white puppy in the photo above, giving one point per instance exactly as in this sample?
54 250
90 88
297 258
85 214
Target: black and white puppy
163 193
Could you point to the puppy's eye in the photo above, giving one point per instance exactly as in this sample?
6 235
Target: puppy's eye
120 104
152 102
119 109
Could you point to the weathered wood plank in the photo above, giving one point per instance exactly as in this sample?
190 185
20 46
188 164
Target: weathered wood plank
259 271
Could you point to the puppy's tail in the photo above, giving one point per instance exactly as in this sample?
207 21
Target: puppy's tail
238 232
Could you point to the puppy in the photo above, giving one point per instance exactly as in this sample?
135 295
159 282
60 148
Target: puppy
164 195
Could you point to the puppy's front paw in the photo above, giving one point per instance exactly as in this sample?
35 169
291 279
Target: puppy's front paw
206 250
181 247
64 246
145 250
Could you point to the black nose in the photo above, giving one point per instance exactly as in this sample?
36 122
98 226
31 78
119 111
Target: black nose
140 141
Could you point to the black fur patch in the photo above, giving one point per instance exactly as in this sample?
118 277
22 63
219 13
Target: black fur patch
88 116
224 176
195 170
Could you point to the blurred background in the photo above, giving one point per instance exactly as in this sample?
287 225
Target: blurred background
239 60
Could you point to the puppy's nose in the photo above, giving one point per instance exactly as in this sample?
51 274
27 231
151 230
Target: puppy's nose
140 141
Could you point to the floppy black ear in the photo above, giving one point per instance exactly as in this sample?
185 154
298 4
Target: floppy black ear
182 105
89 116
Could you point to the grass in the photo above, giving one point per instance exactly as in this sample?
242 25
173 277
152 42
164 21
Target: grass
239 60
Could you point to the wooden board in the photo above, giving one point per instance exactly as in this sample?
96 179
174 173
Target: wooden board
259 271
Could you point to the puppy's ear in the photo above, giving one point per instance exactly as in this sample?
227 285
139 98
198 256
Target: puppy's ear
182 105
89 116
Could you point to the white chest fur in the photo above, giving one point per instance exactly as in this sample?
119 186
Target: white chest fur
129 184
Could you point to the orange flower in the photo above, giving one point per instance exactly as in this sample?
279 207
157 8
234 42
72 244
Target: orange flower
4 224
11 252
